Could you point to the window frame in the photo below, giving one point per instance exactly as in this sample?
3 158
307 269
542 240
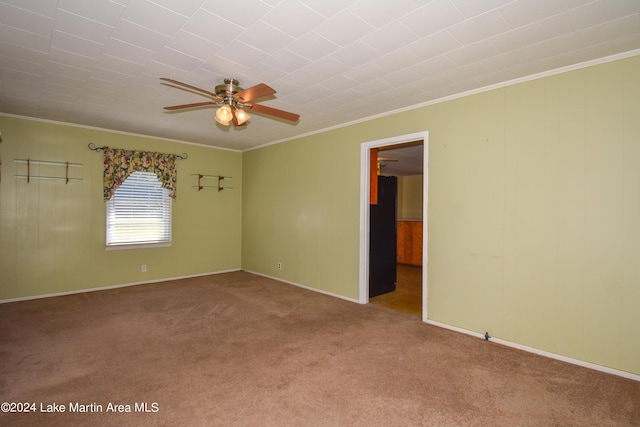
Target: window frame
166 214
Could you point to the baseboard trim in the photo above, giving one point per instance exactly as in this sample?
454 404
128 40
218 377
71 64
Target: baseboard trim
539 352
304 287
106 288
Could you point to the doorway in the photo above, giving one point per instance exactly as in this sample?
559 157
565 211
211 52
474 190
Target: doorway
405 272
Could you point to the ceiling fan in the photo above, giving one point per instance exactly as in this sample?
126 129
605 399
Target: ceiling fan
233 101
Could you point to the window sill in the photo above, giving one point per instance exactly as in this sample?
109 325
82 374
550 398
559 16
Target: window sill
137 246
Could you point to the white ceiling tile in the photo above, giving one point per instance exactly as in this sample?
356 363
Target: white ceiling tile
22 107
154 17
433 45
434 66
433 82
106 12
365 73
486 25
128 52
241 13
212 27
54 106
25 20
432 18
344 28
45 8
114 65
293 17
242 53
9 63
401 77
401 92
519 37
556 46
573 20
20 52
223 67
510 59
192 45
299 99
77 71
21 81
134 34
602 50
397 60
265 38
261 72
381 13
183 7
299 80
371 87
620 28
328 8
105 85
79 46
312 46
517 14
472 53
60 80
176 59
467 72
620 8
63 92
326 67
471 8
81 27
286 60
355 54
626 44
10 36
389 38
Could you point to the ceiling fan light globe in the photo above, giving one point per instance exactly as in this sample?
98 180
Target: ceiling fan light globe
242 116
222 122
224 113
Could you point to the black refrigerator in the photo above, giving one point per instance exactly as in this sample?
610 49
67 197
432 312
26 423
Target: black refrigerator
382 238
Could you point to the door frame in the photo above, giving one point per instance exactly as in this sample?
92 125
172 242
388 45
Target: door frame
365 150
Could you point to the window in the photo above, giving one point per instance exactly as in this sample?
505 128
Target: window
139 213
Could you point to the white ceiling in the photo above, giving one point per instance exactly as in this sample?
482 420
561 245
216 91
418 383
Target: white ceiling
98 62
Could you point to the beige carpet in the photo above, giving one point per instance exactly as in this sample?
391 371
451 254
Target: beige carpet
240 350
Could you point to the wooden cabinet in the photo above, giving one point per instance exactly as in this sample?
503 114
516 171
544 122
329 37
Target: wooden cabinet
410 242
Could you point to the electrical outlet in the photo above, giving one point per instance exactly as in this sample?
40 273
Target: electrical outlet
143 268
279 266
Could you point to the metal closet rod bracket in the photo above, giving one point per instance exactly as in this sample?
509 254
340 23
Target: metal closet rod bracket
219 187
30 162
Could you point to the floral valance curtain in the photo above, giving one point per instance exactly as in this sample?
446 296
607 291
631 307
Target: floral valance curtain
119 164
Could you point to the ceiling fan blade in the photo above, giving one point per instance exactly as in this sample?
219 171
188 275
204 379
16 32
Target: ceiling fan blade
175 82
197 104
254 92
273 112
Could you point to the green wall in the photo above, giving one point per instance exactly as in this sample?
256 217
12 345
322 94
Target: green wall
410 197
52 234
299 210
534 211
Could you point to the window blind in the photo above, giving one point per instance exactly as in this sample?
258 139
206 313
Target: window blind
139 212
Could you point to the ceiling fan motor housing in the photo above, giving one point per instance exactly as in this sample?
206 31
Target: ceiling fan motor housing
228 89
